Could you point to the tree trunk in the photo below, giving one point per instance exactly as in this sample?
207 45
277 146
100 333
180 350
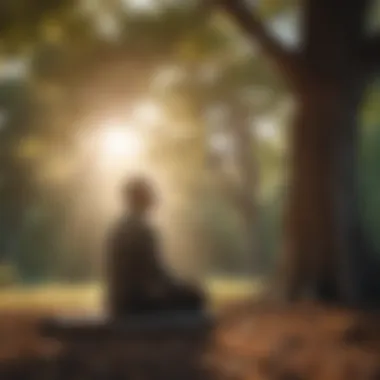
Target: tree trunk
246 161
323 245
325 255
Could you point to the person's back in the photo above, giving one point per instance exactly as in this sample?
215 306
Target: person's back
136 280
133 266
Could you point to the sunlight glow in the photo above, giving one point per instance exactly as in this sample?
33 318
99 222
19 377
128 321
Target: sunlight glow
148 113
108 27
140 5
265 129
221 143
115 151
120 143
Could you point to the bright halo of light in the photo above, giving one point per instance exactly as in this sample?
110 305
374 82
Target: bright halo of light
266 129
112 151
148 113
118 143
140 5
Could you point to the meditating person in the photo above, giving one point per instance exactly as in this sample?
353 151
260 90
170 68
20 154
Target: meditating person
137 280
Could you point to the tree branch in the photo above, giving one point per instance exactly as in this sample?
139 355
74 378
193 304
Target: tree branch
287 61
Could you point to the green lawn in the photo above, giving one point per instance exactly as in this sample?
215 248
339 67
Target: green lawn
88 297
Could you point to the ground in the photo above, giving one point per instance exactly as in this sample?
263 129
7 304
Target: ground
297 343
21 308
250 341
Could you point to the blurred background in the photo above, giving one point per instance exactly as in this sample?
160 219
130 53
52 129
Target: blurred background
94 91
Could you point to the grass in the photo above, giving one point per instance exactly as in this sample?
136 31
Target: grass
88 296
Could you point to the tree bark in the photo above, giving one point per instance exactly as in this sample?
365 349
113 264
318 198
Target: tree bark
326 254
322 210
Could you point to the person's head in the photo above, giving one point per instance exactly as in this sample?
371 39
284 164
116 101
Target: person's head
138 195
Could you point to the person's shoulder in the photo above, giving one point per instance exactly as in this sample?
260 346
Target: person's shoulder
119 226
135 225
132 225
124 229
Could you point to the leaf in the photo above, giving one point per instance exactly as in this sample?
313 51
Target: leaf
30 148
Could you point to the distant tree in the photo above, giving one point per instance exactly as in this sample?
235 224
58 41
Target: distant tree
218 74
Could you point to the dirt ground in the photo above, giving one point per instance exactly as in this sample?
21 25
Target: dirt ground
250 342
303 342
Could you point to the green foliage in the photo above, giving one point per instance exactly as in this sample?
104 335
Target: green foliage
21 20
8 276
76 74
369 160
272 8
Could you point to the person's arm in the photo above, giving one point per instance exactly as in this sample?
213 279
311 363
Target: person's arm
145 249
159 278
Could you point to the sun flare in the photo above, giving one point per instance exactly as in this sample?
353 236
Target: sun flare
120 143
